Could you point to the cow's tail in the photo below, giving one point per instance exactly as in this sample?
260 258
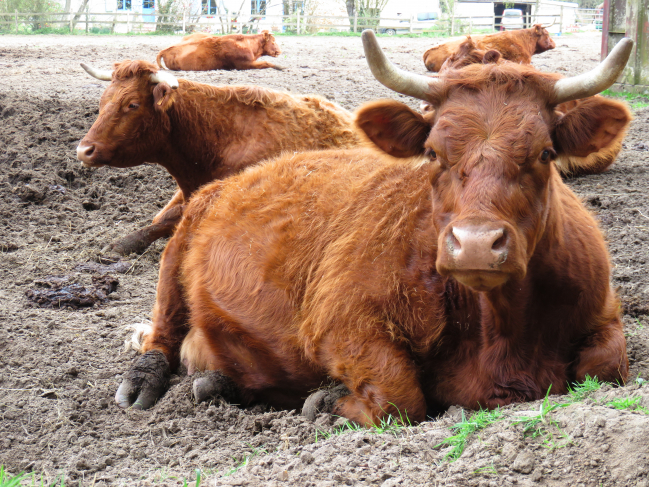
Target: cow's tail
160 60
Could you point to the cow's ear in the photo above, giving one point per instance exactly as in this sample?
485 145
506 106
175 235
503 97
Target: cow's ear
538 29
163 97
491 57
393 127
593 124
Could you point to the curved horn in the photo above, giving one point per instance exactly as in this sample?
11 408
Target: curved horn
547 26
596 80
102 74
164 77
415 85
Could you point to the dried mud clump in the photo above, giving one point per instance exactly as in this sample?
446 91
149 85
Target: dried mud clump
59 292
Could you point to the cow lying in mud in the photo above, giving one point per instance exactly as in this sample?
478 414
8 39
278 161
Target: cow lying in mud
199 132
205 52
517 45
607 144
464 273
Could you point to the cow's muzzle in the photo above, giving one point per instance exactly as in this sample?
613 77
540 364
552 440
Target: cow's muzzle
481 255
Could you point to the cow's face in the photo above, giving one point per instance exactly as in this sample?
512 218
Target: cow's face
543 40
270 45
491 137
132 124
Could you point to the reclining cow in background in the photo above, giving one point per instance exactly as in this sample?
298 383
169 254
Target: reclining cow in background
200 132
204 52
517 45
467 273
608 145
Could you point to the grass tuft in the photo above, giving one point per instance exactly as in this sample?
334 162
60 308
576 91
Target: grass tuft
634 100
465 428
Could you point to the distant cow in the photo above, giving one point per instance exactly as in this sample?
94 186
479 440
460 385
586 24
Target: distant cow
517 46
204 52
608 144
467 274
200 132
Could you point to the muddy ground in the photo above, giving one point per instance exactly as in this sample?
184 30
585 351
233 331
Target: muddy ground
60 366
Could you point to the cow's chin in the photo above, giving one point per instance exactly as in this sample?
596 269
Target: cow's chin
481 281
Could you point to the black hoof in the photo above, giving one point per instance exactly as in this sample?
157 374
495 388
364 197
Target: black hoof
323 401
145 383
215 385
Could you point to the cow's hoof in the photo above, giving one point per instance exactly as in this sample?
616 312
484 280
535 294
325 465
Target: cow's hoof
279 68
145 383
214 385
323 401
131 244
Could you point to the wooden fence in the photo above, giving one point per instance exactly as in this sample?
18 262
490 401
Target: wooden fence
133 22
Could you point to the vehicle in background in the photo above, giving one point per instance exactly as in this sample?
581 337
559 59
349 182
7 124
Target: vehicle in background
421 22
512 19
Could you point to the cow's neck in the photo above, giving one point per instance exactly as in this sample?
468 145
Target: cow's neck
199 125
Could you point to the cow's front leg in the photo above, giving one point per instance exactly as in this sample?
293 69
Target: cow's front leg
604 355
381 377
258 65
163 225
148 379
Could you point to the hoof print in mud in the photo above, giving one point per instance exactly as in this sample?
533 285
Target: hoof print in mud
145 383
214 385
59 292
323 401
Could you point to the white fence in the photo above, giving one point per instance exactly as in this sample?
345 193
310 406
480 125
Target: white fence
133 22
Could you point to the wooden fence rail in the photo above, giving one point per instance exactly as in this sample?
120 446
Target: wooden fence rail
135 22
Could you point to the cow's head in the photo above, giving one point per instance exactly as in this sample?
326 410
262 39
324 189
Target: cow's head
492 136
270 44
132 121
543 40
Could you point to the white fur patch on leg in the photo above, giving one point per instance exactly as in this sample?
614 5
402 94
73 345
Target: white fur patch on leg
140 331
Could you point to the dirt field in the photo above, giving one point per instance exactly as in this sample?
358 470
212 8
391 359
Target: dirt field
60 367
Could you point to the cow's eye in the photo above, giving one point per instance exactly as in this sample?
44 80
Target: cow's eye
546 155
133 106
431 154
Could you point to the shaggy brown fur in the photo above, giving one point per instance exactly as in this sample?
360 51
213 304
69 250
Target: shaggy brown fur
350 264
517 46
200 132
203 52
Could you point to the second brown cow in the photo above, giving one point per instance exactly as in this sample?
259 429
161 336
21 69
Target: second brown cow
204 52
200 132
517 46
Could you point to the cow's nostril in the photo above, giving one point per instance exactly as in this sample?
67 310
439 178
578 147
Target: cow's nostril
454 242
500 243
89 150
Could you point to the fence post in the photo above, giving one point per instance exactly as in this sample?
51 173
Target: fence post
297 26
71 27
412 19
453 23
87 7
16 20
561 22
470 25
128 22
355 20
184 21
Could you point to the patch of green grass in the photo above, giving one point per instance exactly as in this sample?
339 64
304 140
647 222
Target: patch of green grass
465 428
17 480
488 469
634 100
630 403
391 424
255 452
7 481
579 391
537 425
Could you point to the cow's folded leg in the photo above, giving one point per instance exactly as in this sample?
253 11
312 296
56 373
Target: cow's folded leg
147 380
137 242
381 377
604 355
214 384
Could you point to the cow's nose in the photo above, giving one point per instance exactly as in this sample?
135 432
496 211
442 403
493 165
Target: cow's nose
478 247
84 152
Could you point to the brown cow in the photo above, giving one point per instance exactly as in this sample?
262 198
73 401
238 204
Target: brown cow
517 46
569 165
200 132
204 52
467 274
